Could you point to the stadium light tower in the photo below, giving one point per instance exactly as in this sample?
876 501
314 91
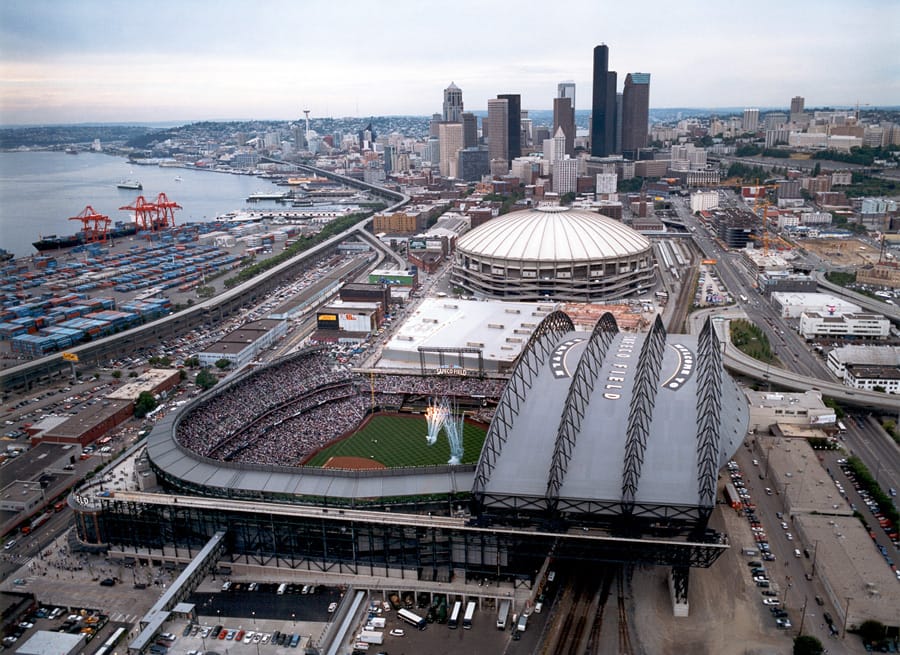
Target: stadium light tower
306 113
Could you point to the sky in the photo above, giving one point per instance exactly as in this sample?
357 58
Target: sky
75 61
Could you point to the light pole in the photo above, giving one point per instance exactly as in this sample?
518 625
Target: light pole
254 618
846 618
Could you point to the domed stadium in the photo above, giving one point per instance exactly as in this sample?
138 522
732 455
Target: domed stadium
556 253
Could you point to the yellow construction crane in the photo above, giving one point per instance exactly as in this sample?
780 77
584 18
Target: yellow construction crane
762 202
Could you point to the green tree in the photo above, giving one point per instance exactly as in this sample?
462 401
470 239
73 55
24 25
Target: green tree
223 363
807 645
567 198
145 404
205 380
816 169
871 632
116 374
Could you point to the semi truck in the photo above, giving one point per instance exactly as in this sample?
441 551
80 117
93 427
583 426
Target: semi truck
371 637
503 615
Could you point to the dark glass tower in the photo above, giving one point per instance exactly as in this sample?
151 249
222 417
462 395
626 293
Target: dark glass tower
514 123
635 112
603 106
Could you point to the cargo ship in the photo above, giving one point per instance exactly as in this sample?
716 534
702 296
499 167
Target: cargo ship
54 242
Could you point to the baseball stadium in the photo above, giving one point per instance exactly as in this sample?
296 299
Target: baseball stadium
602 446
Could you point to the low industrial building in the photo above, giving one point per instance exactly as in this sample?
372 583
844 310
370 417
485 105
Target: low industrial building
348 322
786 282
873 378
463 334
155 381
792 305
47 642
241 346
768 409
799 478
861 325
840 358
89 424
856 578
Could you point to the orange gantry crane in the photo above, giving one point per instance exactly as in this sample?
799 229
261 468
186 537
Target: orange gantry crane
95 226
153 216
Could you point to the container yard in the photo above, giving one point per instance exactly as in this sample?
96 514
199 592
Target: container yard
57 299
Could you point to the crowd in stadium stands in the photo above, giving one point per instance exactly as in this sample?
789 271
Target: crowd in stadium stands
282 414
440 385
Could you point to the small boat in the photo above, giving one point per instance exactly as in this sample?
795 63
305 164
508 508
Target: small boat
130 184
178 178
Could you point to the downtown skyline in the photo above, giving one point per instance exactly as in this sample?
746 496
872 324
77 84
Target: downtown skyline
140 62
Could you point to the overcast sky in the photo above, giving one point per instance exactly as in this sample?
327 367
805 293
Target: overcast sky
70 61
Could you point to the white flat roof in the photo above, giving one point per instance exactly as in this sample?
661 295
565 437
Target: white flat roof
790 298
500 329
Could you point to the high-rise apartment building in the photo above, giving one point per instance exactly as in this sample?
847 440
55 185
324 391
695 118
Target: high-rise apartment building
453 104
635 112
497 129
470 129
603 105
450 138
565 176
513 124
751 120
564 119
566 90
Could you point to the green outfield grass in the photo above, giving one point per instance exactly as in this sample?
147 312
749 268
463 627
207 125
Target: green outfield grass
397 441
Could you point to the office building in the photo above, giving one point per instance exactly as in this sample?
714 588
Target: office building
470 129
513 124
635 112
797 104
450 140
566 90
751 120
564 119
497 123
603 106
453 104
565 176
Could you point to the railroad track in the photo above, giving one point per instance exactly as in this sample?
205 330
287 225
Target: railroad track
625 647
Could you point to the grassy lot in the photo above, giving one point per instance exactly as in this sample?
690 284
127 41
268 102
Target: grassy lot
397 441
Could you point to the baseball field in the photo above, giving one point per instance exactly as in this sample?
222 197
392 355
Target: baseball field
393 441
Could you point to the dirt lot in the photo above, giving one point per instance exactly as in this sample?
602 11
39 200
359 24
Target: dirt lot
726 617
842 252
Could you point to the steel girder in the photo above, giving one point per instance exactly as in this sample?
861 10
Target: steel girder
709 413
530 361
646 385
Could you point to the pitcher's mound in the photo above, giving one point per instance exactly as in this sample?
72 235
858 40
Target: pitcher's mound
358 463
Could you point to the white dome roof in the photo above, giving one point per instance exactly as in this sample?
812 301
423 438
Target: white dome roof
553 234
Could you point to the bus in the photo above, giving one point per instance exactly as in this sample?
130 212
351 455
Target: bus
841 427
453 623
503 615
470 612
412 619
110 644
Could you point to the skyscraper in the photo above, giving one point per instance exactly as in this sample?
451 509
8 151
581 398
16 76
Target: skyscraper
450 137
751 120
635 112
564 119
497 122
566 90
470 129
603 105
453 104
513 124
797 104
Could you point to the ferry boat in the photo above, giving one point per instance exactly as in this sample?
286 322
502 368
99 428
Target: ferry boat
132 185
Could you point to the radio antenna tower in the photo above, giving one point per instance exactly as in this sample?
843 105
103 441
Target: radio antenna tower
306 113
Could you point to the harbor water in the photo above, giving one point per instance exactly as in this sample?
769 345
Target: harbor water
40 190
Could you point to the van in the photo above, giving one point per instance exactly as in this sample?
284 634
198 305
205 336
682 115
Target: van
797 553
282 588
